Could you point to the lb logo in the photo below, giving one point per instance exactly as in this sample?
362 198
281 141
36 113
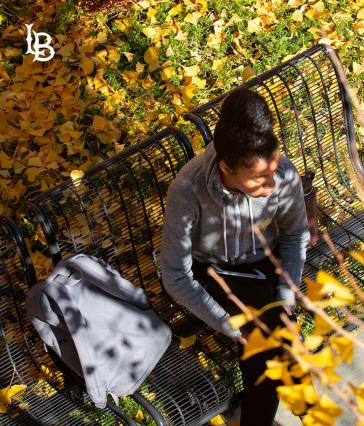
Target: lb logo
39 48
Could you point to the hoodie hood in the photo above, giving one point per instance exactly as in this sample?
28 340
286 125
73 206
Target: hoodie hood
212 177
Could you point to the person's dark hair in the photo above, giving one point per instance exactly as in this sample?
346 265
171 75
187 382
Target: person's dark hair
244 131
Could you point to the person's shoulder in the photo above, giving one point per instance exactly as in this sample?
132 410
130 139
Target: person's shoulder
286 167
189 175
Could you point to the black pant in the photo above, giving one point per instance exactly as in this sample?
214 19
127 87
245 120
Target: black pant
259 403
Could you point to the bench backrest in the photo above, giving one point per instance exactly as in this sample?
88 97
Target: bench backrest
116 213
314 122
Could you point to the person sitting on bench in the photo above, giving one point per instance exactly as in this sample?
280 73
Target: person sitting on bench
240 180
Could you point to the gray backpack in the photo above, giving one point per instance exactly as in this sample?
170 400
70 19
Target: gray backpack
99 324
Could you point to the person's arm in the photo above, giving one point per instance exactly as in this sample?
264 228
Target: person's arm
294 234
176 262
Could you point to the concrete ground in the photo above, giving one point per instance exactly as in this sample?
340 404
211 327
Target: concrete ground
353 373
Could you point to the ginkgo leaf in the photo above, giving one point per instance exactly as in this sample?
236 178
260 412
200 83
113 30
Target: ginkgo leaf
186 342
297 16
343 347
188 92
217 421
258 343
175 10
7 393
87 65
237 321
342 295
99 123
255 25
76 176
139 416
151 58
167 73
193 17
5 161
358 255
324 412
292 397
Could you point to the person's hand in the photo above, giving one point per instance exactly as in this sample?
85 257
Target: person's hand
242 340
288 310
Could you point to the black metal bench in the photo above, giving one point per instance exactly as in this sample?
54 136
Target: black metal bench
116 213
314 122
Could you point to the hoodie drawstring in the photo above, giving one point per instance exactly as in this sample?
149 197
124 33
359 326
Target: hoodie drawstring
238 229
251 224
226 258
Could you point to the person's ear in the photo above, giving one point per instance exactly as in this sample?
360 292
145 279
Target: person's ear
225 168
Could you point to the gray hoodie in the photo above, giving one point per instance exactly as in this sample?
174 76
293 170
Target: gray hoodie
204 220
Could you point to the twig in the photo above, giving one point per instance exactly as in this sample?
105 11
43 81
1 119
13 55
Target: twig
340 260
306 301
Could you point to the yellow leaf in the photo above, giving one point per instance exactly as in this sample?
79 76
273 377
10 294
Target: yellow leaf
360 14
342 295
6 394
315 33
313 341
5 161
358 68
292 397
255 25
358 255
323 413
319 6
192 18
294 4
99 123
76 176
202 359
32 173
139 416
217 421
343 347
321 326
218 64
87 65
35 162
150 32
175 10
237 321
359 392
297 16
325 358
66 50
312 14
258 343
130 76
147 82
167 73
313 289
186 342
181 36
150 395
151 58
113 53
191 71
188 92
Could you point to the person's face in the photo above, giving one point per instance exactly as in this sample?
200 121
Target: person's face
256 180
